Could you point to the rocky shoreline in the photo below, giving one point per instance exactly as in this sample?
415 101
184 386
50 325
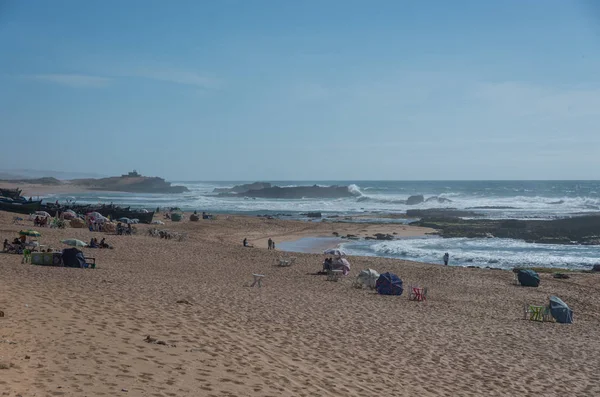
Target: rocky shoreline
582 230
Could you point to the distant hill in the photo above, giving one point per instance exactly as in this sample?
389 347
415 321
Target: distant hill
36 181
13 174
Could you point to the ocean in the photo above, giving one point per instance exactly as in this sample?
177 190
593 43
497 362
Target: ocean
493 199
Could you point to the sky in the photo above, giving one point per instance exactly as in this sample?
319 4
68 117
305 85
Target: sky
302 90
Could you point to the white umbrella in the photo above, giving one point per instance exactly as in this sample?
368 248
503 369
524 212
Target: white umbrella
334 252
42 213
74 242
368 277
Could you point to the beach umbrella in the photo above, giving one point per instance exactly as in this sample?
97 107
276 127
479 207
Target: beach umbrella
74 242
30 233
42 213
334 252
95 215
124 219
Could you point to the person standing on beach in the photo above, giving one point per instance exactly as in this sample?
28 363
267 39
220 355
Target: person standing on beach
272 244
446 258
269 243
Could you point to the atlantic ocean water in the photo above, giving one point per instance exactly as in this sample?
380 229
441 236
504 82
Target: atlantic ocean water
492 199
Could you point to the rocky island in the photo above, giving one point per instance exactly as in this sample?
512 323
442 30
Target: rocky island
131 182
266 190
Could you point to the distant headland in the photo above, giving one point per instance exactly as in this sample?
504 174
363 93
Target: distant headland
131 182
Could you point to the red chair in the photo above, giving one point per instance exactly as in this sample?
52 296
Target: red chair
416 293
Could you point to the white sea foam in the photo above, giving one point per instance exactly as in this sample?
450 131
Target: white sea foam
494 252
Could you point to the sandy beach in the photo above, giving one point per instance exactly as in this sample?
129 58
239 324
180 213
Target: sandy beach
76 332
35 189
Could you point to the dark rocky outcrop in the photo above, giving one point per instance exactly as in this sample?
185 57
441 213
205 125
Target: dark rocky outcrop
299 192
417 199
312 214
577 230
383 236
243 188
133 184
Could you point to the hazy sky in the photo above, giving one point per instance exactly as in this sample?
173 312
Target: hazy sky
250 90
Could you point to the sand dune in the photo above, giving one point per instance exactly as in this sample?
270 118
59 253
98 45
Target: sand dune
82 332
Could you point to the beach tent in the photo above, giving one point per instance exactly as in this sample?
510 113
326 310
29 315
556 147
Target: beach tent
528 278
560 311
389 284
368 277
72 257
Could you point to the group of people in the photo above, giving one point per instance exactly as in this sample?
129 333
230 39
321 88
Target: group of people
121 230
40 221
18 245
270 244
95 244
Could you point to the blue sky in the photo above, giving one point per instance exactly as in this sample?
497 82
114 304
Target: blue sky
279 90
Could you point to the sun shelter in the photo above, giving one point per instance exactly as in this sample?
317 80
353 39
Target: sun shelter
560 311
528 278
389 284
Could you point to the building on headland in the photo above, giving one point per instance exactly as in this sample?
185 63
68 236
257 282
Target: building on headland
132 174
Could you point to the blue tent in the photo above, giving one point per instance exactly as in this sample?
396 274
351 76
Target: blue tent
528 278
560 311
389 284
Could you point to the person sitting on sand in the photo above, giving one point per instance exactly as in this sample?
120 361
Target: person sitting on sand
5 246
328 265
103 243
93 243
246 243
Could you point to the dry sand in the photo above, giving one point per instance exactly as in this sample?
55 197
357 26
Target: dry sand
76 332
34 189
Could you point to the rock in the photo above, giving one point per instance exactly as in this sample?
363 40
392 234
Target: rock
596 268
243 188
336 234
382 236
561 276
313 214
185 302
417 199
194 218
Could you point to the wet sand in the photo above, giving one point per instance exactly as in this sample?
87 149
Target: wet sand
78 332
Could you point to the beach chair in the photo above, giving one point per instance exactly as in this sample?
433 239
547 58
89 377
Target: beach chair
257 280
90 262
416 293
537 313
334 275
287 261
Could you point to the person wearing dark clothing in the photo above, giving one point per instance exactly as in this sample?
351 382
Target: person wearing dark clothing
446 258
